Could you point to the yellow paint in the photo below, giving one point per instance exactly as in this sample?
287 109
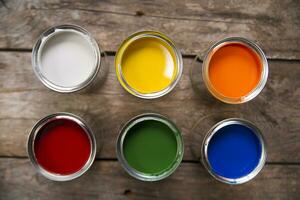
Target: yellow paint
148 64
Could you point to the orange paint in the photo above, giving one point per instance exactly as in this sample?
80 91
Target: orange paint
234 70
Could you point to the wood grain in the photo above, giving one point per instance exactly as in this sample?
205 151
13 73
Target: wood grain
24 100
193 24
107 180
106 106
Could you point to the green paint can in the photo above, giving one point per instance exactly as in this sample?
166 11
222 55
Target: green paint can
150 147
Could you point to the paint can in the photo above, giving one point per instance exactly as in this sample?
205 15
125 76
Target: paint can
150 147
61 146
234 151
148 64
66 58
235 70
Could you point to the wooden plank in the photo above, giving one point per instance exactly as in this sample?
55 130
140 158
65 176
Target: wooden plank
24 100
107 180
193 24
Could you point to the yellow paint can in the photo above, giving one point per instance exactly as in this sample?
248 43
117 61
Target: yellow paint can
148 65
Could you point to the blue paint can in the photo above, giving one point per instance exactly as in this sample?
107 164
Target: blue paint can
234 151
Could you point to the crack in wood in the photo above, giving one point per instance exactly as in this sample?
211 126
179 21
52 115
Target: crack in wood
138 14
15 49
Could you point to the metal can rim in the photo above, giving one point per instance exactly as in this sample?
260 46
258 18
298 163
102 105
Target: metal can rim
143 176
210 134
165 39
249 44
31 139
41 41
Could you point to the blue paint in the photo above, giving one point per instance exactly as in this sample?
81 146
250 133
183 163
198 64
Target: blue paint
234 151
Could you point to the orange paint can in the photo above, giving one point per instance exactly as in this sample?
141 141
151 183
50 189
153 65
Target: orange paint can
235 70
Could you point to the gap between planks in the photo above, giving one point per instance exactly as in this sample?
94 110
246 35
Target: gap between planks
113 53
183 161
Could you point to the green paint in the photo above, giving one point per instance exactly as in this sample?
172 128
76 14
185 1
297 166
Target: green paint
150 147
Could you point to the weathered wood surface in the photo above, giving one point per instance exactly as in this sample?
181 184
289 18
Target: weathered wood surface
193 24
24 100
107 180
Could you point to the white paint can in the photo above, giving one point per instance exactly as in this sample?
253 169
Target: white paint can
66 58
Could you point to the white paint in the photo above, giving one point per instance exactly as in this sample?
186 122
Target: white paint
67 59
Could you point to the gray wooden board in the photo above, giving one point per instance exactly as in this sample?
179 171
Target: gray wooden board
194 25
24 100
107 180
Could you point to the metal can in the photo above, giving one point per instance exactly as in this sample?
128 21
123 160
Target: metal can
43 129
157 64
66 58
257 52
155 132
216 131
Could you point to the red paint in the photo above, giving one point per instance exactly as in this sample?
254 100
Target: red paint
62 147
